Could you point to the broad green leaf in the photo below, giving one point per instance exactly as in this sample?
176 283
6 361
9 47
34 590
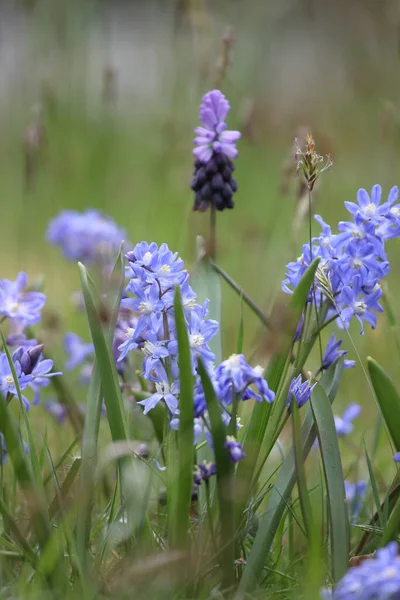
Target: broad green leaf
99 323
225 490
180 472
305 503
331 460
388 399
281 491
94 401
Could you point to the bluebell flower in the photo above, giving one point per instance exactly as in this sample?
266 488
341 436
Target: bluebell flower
301 391
163 392
215 147
203 472
147 304
77 350
332 353
22 307
344 424
234 448
353 303
7 385
235 375
373 579
88 237
155 352
355 493
396 457
41 375
370 207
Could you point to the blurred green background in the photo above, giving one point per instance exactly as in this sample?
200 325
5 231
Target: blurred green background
98 101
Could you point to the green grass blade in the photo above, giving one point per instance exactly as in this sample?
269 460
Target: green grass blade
281 491
338 513
180 477
104 357
207 285
387 398
305 504
241 328
224 479
374 488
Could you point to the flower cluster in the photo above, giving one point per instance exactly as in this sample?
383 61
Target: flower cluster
377 577
215 147
88 237
352 262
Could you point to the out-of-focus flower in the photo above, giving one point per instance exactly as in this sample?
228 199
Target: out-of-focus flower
235 375
77 350
20 306
344 424
354 495
89 236
332 353
235 449
373 579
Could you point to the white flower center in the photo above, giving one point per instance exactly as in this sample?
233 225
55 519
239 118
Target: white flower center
163 388
357 264
147 258
390 573
190 304
129 333
259 370
165 269
326 242
233 362
395 211
370 210
9 380
14 307
149 348
196 340
360 307
145 307
357 234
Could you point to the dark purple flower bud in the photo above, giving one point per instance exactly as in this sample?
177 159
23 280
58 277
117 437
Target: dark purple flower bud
235 449
30 358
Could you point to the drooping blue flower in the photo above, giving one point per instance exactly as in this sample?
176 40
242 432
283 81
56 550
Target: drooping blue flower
344 424
77 350
332 353
88 237
300 391
22 307
234 448
355 493
235 375
213 136
7 385
373 579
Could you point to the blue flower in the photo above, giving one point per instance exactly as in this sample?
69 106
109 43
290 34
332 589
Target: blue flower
203 472
7 385
353 303
76 350
89 236
355 493
235 375
22 307
300 391
163 392
344 424
396 457
147 304
332 353
373 579
234 448
213 136
370 208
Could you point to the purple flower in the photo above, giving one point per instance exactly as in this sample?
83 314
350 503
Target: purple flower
213 136
203 472
22 307
370 208
234 448
373 579
300 391
396 457
76 350
344 424
332 353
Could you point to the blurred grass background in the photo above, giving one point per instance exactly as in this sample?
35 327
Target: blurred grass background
98 101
